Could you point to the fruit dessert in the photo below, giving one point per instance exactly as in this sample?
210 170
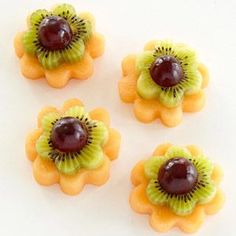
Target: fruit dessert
72 147
163 81
177 187
59 45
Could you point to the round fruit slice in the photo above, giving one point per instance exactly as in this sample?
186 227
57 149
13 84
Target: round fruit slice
179 180
72 141
58 36
167 73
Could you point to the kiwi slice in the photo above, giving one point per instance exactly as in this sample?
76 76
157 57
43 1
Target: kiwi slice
151 91
69 49
182 59
69 166
202 191
89 156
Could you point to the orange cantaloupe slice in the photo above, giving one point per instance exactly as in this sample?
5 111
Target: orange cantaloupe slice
73 185
45 171
111 148
194 103
59 77
30 144
96 45
71 103
161 217
127 85
148 110
100 114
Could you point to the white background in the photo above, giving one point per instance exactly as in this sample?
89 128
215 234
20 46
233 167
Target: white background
29 209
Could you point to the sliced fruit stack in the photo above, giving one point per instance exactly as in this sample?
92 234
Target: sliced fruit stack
57 36
72 147
177 186
163 81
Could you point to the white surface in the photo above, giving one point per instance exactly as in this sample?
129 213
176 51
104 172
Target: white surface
29 209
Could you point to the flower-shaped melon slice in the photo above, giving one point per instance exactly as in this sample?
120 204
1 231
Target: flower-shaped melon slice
58 66
91 167
147 109
162 217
